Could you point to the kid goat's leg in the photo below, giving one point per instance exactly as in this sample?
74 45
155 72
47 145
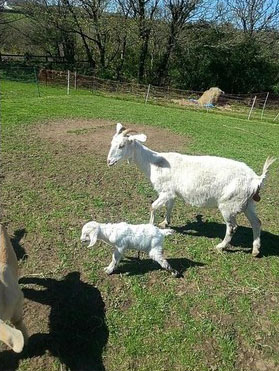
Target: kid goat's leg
158 257
231 226
116 257
256 226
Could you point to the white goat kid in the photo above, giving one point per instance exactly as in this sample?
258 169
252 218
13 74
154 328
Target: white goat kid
123 236
11 296
205 181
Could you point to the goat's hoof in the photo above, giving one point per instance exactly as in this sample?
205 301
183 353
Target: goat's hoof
219 248
176 274
164 225
108 270
255 252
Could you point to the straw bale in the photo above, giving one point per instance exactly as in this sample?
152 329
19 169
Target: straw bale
210 96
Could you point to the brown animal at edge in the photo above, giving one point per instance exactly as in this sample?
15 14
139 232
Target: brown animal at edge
11 296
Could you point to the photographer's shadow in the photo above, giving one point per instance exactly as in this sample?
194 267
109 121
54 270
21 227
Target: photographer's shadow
77 327
242 239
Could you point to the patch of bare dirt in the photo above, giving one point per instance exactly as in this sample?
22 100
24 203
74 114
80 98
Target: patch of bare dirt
96 135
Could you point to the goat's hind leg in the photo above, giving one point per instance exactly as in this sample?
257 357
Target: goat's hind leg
231 226
116 257
158 257
255 222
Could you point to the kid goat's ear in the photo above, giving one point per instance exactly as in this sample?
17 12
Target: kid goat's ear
93 237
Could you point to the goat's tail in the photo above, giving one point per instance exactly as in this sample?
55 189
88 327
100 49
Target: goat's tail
167 232
269 161
260 182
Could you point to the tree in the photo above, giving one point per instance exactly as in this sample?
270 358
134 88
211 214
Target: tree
254 15
124 11
78 28
49 28
177 13
144 12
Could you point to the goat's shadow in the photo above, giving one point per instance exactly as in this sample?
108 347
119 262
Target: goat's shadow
242 239
133 266
77 326
19 250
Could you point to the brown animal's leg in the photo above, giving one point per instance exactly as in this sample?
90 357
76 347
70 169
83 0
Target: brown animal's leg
11 337
17 321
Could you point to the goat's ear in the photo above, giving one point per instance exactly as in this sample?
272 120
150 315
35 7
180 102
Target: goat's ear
118 127
11 337
140 137
93 237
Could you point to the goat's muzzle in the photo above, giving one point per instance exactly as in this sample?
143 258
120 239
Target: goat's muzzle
111 162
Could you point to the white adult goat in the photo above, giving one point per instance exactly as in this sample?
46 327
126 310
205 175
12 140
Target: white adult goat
11 296
206 181
123 236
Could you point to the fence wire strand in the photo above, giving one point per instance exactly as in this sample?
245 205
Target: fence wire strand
265 106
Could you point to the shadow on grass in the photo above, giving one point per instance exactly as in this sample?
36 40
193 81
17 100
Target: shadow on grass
77 326
19 250
241 241
134 266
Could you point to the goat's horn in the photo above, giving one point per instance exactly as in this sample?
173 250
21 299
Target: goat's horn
127 131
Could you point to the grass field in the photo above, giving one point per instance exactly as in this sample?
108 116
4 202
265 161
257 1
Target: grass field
222 315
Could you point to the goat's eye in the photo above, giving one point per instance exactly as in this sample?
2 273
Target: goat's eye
121 145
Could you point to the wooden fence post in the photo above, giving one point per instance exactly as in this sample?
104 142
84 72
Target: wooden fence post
264 105
254 101
37 81
68 83
147 94
75 80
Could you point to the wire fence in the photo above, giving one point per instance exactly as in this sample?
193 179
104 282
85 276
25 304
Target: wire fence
256 106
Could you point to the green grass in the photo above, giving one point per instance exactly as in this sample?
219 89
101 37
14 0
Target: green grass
222 315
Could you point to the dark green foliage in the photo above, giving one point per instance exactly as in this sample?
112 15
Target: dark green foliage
128 47
212 56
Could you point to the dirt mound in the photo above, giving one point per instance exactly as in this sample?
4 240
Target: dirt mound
96 135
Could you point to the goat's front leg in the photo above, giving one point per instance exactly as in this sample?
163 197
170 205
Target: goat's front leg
161 201
169 206
116 257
